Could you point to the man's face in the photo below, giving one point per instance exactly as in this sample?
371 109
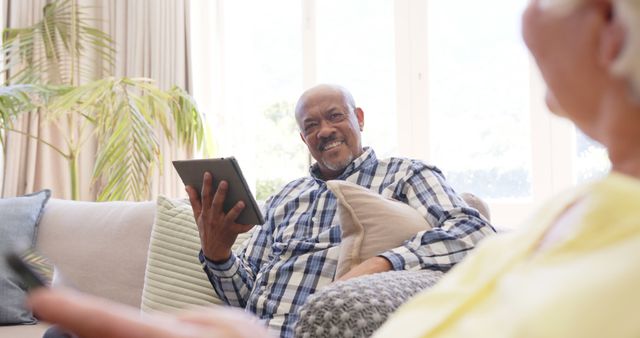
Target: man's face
565 47
331 130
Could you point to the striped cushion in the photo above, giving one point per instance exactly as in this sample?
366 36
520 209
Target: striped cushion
174 278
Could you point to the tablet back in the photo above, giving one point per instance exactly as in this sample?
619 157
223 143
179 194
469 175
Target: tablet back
227 169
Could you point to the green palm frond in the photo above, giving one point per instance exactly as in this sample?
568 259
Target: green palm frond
52 50
124 112
50 66
18 99
14 100
129 152
189 123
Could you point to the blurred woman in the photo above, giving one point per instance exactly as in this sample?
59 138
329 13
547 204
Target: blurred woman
573 270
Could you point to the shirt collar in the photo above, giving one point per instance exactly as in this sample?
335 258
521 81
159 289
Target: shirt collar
367 157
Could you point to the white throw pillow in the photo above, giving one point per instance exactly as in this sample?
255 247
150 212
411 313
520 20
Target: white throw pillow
100 248
174 278
371 224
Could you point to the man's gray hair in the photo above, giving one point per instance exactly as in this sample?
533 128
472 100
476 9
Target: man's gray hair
351 103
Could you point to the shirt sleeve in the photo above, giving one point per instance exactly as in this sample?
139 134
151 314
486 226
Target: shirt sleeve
456 228
234 279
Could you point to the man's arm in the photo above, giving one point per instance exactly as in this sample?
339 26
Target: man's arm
456 227
370 266
232 278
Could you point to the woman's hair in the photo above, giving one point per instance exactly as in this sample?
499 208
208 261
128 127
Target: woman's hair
627 64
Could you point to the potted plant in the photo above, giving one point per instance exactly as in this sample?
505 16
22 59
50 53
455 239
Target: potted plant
48 70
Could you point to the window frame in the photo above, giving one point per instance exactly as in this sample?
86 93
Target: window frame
552 139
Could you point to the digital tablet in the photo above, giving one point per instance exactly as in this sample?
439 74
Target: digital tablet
222 169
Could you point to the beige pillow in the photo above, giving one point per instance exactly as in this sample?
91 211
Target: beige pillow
174 278
371 224
478 204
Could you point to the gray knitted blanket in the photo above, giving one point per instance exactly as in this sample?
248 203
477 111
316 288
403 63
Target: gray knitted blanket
357 307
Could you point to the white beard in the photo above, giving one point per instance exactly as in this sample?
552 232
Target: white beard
338 165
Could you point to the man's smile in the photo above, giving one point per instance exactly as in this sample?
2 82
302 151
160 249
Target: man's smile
330 145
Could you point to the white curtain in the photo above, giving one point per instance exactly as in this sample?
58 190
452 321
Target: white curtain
151 39
29 165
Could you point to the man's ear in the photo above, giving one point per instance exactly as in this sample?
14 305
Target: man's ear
360 115
303 140
612 36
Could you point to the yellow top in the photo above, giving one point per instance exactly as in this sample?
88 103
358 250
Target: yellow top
586 284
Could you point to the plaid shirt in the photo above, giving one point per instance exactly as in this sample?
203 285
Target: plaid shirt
296 251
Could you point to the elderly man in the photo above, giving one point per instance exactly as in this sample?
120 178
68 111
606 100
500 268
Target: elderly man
295 252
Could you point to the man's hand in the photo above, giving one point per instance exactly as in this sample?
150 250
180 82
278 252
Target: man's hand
218 231
92 317
370 266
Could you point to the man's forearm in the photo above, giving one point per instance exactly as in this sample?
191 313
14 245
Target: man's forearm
231 280
440 248
370 266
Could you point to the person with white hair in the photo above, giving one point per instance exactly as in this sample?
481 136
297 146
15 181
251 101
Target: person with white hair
570 272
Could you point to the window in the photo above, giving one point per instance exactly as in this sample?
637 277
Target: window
355 48
591 159
253 74
262 74
436 79
482 141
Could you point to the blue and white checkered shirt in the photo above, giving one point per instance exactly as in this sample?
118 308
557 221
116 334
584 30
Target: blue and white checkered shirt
296 251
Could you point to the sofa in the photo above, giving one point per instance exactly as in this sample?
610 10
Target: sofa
143 254
98 248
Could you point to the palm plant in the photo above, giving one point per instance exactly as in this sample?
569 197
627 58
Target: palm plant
50 68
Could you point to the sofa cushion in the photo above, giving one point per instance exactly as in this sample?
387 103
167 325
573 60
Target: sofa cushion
20 215
99 247
370 223
357 307
174 277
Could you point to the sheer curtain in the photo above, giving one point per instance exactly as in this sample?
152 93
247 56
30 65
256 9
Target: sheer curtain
29 165
151 39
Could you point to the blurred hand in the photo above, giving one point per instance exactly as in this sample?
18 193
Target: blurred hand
370 266
91 317
218 231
